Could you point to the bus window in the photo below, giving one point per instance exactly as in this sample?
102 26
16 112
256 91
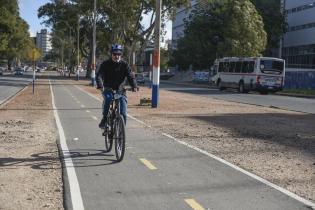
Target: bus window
251 67
238 66
232 67
245 67
221 67
226 66
271 66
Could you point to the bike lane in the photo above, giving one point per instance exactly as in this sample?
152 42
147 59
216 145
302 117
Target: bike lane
156 173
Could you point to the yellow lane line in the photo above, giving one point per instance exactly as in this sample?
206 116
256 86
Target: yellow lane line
148 164
193 204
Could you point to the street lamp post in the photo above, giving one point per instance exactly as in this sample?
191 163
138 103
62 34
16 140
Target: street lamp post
94 46
156 57
78 49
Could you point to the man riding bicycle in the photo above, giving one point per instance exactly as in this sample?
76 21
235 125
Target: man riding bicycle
111 76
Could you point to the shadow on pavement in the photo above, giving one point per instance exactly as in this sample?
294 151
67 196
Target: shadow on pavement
50 160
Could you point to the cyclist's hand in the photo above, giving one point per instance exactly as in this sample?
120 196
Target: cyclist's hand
135 89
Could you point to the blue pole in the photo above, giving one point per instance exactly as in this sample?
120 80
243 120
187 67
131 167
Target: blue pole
156 56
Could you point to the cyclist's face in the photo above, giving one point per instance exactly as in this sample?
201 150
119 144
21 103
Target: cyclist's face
116 57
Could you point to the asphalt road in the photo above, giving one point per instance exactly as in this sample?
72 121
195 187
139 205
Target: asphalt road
11 84
277 101
156 173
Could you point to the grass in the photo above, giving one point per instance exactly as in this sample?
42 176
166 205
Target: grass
309 92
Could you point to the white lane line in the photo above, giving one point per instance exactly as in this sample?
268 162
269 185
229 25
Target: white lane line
75 139
76 198
82 106
95 118
88 111
287 192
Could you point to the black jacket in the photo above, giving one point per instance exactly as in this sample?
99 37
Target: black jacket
113 75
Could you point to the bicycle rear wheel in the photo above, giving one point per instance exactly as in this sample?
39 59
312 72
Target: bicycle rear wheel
120 138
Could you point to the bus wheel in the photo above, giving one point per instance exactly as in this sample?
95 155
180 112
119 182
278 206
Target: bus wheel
220 85
241 87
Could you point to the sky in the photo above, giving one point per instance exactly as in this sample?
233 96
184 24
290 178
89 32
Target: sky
28 11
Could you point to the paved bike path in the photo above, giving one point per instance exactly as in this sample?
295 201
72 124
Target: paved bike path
182 178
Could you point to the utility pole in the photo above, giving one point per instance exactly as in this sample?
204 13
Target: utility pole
78 48
156 56
282 10
94 46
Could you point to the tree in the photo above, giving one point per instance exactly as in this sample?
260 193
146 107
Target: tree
244 32
217 29
14 37
117 21
274 22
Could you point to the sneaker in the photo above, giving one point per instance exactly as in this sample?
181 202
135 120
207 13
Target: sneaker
103 123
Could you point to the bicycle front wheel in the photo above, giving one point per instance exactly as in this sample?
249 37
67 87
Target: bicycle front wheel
120 138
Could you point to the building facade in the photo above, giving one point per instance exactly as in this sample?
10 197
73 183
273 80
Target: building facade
178 24
299 43
43 42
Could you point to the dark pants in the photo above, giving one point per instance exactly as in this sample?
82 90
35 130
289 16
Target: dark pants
108 96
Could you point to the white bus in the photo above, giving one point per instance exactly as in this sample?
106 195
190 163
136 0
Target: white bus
262 74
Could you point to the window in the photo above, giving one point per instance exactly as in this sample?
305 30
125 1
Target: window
238 67
245 67
271 66
251 67
221 67
232 66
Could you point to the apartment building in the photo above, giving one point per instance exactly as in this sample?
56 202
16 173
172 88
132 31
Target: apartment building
178 24
299 43
43 42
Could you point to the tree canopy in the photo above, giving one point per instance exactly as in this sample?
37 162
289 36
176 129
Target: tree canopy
117 21
14 36
219 29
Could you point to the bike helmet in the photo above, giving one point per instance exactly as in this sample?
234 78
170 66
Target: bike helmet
116 48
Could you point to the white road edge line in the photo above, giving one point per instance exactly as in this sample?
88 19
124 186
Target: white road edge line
287 192
76 198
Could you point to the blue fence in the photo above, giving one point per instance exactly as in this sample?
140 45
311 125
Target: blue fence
299 80
201 77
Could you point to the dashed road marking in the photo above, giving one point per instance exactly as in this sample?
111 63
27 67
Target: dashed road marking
292 195
82 106
148 164
88 111
95 118
193 204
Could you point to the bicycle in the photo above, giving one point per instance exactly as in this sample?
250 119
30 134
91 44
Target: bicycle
115 131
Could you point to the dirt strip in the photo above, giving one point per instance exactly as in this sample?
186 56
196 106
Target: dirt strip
30 170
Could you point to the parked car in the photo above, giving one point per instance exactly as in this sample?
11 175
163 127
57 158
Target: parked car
140 78
19 71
